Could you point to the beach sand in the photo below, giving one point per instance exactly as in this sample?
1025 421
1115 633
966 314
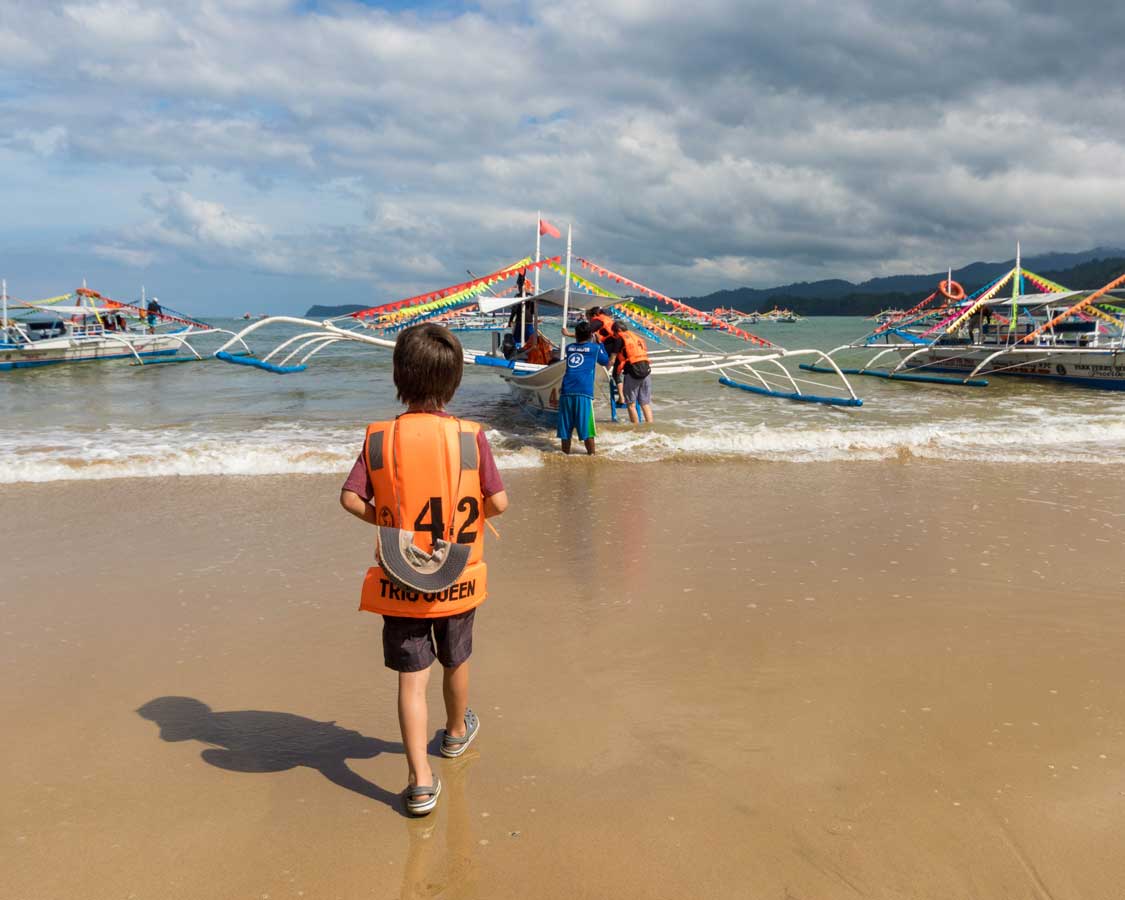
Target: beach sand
893 680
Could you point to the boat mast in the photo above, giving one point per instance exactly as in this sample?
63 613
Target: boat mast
566 296
538 239
1017 278
4 295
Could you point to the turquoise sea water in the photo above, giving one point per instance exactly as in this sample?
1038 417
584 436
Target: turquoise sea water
111 419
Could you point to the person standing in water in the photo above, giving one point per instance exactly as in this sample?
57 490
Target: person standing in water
632 362
576 397
152 311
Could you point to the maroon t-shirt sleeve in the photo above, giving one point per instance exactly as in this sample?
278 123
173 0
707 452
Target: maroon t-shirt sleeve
359 482
490 482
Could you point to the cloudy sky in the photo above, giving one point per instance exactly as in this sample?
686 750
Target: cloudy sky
265 154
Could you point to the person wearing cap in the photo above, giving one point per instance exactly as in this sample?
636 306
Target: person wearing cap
431 477
631 360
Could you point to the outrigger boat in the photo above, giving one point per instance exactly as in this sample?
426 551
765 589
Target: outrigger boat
84 326
529 362
886 315
1073 337
780 316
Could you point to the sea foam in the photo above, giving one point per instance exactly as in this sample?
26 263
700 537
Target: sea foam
122 452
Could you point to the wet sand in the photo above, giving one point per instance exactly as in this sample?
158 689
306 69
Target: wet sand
888 680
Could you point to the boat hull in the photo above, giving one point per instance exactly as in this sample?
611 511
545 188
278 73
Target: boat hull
70 350
1103 369
537 391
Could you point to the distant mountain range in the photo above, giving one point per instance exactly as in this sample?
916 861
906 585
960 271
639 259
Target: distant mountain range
836 297
331 312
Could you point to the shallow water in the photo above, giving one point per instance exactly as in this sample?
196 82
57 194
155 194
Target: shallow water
111 419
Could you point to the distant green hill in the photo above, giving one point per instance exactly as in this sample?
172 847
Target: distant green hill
836 297
331 312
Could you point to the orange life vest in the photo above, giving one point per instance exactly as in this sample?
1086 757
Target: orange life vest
425 478
601 327
633 350
540 352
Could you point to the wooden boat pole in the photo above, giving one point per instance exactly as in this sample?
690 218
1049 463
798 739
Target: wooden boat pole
538 239
566 297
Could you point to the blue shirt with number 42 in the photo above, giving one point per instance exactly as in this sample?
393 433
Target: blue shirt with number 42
582 361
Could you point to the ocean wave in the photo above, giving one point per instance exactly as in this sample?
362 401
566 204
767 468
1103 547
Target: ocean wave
1036 441
122 452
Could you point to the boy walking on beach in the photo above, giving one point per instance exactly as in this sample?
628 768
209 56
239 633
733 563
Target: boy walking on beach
576 397
433 475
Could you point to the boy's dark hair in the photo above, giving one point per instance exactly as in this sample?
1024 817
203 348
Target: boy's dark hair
620 325
428 362
582 331
593 311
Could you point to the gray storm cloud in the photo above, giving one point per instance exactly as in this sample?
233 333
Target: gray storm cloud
695 145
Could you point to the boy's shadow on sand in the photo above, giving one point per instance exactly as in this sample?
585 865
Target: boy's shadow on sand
251 740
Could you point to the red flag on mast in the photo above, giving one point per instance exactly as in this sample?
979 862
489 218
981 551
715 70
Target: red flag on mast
547 228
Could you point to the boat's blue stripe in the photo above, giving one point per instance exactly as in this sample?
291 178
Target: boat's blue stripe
30 363
1106 384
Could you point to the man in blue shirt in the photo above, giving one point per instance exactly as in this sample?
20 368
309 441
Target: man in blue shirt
576 398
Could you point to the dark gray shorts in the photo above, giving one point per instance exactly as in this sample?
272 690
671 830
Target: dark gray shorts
638 390
411 645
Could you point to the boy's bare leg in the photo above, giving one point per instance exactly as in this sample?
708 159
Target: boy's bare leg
566 445
455 689
632 410
412 715
589 446
647 410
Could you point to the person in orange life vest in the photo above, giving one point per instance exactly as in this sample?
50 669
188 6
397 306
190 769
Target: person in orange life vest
613 345
601 323
632 361
428 362
601 330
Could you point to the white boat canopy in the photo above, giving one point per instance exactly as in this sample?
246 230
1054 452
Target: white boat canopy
580 300
74 310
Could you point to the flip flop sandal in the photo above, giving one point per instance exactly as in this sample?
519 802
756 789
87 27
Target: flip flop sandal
431 792
452 747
